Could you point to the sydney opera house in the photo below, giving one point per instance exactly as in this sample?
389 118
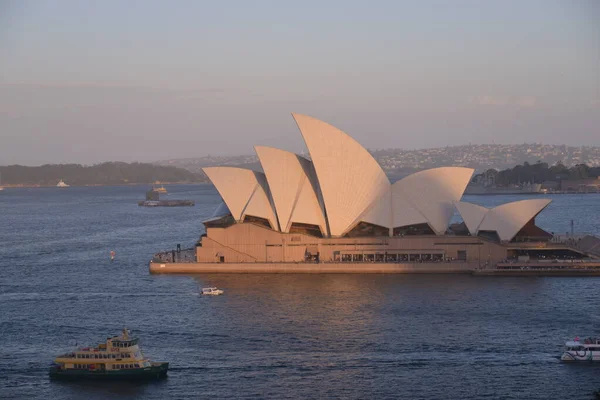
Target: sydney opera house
337 211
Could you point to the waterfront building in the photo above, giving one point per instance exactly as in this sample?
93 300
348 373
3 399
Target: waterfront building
338 212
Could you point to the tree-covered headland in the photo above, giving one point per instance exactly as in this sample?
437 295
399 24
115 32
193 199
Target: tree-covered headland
108 173
540 172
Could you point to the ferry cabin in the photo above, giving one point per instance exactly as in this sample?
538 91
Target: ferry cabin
113 355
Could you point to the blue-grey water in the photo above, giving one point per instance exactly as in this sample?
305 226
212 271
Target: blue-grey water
275 336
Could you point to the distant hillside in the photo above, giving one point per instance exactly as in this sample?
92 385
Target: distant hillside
109 173
399 162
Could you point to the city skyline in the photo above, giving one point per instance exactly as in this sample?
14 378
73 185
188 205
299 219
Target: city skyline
146 81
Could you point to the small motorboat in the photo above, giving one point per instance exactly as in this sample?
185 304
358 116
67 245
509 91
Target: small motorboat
212 291
582 350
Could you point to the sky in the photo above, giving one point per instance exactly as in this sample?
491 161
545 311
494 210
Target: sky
87 82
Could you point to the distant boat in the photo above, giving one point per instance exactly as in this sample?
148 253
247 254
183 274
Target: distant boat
212 291
160 189
62 184
1 188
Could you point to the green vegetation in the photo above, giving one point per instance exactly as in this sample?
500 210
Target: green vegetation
540 172
108 173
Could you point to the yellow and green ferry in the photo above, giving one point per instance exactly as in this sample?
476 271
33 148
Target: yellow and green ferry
119 358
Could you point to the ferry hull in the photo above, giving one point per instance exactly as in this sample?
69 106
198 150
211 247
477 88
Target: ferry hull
581 356
156 371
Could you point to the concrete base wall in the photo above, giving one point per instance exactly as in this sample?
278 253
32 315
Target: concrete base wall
311 268
539 272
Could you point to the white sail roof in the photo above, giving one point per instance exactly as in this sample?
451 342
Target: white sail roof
404 212
349 177
244 191
507 219
432 192
379 212
294 188
342 185
472 215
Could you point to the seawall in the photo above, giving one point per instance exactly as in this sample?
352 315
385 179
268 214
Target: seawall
539 272
359 268
310 268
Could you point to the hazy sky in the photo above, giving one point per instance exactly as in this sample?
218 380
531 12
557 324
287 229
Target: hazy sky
90 81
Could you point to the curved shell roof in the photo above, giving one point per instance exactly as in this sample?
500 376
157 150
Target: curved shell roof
349 177
432 192
342 185
294 188
472 214
507 219
379 212
244 191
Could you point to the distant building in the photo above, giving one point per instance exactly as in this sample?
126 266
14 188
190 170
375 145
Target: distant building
581 185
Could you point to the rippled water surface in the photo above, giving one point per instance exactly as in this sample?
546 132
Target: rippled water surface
275 336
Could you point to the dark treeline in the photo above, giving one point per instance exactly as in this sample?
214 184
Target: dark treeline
540 172
108 173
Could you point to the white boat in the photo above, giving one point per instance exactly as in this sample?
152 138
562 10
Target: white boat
582 350
213 291
62 184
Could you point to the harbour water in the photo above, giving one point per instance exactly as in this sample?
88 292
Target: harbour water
275 336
